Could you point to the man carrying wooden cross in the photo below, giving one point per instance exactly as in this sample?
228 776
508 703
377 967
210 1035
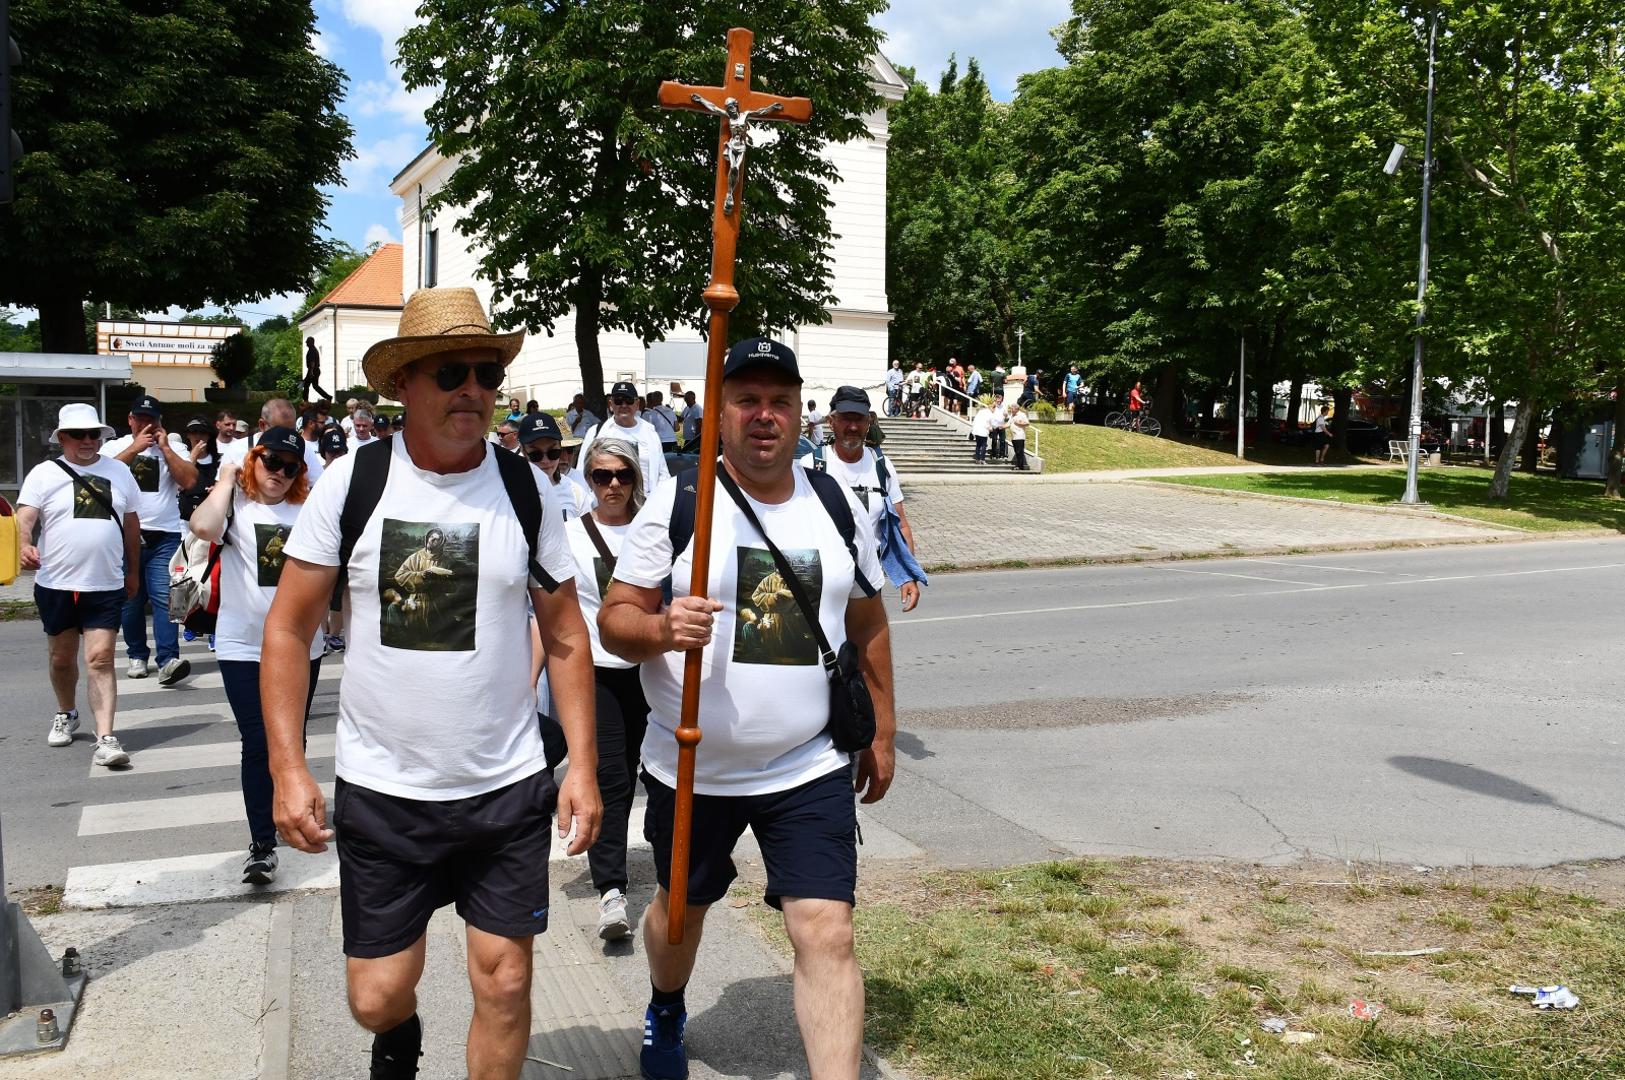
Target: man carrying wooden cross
752 626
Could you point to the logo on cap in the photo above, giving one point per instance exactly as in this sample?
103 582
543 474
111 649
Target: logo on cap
764 347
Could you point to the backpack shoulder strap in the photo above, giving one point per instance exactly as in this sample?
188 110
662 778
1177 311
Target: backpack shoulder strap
680 526
882 471
519 479
368 478
819 464
832 494
80 483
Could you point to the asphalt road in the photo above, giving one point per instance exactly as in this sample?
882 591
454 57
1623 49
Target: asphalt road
1446 706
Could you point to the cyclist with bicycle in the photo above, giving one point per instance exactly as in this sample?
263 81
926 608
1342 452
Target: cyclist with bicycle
1136 407
894 388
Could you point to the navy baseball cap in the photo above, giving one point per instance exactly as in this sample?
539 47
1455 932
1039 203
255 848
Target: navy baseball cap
761 352
538 425
284 441
334 442
623 389
146 405
850 399
197 423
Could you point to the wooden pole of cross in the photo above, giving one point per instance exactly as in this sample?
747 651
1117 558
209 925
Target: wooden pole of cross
739 107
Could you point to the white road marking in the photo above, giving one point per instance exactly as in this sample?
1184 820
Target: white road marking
903 624
1315 566
214 712
206 756
184 878
1221 573
145 814
207 681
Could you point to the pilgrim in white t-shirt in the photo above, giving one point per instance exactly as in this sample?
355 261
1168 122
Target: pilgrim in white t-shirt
651 454
764 697
159 507
81 544
862 478
436 702
592 580
250 567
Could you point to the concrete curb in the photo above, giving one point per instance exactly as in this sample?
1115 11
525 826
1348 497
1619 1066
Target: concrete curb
1000 475
276 1032
1370 508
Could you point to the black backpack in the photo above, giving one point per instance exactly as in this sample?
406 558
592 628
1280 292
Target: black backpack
371 473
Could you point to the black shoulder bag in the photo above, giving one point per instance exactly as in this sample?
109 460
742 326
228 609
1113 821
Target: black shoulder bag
851 709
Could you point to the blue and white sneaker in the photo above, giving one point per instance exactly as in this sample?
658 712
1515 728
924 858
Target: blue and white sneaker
188 635
664 1056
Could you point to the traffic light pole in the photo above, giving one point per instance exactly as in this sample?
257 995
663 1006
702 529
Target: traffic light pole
38 996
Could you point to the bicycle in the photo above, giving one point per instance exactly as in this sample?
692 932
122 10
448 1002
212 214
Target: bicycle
894 403
1141 421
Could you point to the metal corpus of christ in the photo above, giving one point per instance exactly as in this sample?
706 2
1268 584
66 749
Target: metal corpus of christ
737 106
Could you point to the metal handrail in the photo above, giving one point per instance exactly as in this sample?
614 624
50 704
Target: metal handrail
1032 429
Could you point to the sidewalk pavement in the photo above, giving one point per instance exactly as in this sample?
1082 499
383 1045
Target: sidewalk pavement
254 990
999 474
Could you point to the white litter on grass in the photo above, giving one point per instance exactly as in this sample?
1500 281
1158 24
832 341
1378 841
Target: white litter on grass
1548 997
1274 1025
1298 1038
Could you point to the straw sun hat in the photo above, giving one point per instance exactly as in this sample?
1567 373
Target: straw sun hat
436 321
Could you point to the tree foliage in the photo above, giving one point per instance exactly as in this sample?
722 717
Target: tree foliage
232 358
176 155
585 196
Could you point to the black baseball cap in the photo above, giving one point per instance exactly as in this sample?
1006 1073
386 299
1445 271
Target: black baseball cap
850 399
334 442
538 425
623 389
146 405
307 418
761 352
283 440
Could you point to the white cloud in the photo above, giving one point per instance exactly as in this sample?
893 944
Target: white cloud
376 162
387 18
388 97
378 234
1006 39
323 46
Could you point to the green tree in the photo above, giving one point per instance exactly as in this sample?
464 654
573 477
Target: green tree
176 156
15 337
585 196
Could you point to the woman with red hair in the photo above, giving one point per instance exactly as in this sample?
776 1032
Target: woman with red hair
250 512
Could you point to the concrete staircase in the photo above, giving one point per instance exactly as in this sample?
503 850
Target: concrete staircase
927 447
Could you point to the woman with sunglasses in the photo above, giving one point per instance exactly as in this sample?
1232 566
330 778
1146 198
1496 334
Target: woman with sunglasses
623 714
253 508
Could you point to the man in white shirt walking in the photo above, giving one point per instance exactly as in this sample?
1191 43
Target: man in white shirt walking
162 468
86 567
578 418
624 423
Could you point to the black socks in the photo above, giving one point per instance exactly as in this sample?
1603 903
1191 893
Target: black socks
395 1052
662 999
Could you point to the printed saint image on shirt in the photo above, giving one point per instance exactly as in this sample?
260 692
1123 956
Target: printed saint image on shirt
86 505
600 572
428 585
770 628
145 470
268 556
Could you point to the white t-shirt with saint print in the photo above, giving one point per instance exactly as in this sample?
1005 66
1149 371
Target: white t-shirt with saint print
592 579
651 454
436 701
250 567
863 479
81 546
159 507
764 697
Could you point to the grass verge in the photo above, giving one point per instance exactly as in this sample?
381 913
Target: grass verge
18 610
1539 502
1087 448
1165 970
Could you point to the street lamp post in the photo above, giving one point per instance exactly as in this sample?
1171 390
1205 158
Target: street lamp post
1411 497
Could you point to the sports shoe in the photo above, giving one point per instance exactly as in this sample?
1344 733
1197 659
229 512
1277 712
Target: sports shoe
174 671
63 725
211 643
334 643
613 924
136 670
260 866
664 1057
395 1052
109 752
187 635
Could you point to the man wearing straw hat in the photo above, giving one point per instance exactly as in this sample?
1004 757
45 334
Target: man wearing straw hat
447 801
86 566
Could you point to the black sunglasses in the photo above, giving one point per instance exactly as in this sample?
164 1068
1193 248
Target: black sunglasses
623 400
602 477
287 468
552 454
451 375
82 433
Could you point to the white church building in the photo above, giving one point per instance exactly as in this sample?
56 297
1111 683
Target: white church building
851 347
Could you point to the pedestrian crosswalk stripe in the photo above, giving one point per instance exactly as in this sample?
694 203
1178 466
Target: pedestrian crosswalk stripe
184 878
209 680
205 756
174 813
216 711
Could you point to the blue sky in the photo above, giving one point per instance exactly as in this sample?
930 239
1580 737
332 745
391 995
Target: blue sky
1008 37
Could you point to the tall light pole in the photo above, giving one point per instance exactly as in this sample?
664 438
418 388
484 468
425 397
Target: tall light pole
1241 403
1411 497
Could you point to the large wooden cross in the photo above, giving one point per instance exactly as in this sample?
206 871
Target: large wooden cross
739 107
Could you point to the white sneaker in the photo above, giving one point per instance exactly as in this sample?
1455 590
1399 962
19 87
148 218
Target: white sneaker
612 921
136 670
109 752
174 671
63 725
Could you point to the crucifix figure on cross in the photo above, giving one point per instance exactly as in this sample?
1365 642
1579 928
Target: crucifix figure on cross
737 106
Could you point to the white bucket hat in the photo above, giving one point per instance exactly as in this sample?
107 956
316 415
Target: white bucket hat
79 416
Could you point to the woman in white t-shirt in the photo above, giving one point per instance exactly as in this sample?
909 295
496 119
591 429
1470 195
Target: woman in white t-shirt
595 541
254 507
1018 437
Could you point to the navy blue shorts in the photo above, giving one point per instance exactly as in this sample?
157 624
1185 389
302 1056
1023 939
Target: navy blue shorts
401 859
808 836
61 610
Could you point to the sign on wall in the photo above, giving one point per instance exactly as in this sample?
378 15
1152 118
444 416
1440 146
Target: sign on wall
170 343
